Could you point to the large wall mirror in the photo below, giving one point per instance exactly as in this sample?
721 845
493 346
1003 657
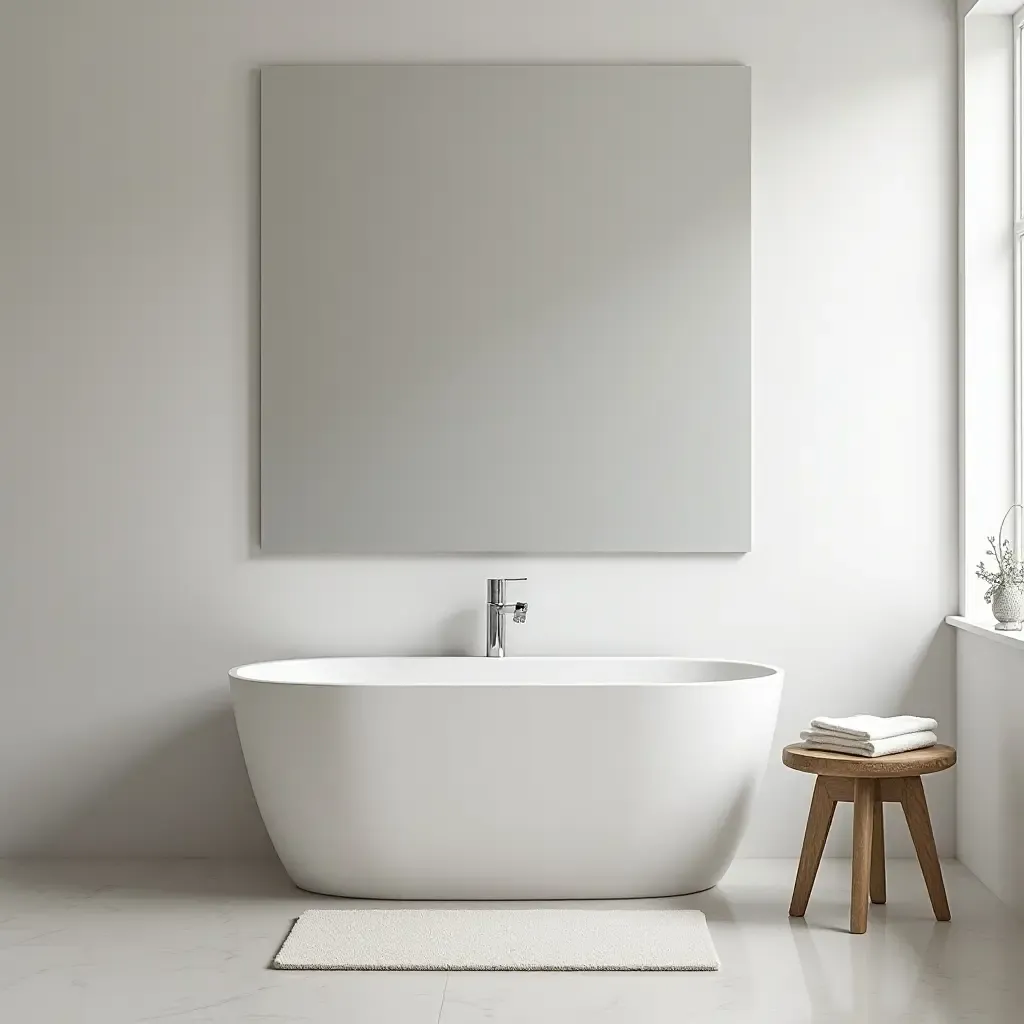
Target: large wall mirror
505 309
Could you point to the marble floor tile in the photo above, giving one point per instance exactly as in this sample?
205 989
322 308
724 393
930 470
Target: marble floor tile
121 942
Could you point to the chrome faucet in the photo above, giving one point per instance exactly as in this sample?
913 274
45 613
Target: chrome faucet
496 612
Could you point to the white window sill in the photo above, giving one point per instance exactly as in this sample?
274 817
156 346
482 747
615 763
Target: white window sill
987 629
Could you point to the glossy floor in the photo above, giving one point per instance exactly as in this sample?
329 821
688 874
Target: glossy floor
114 942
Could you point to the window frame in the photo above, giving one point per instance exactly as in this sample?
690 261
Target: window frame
1018 270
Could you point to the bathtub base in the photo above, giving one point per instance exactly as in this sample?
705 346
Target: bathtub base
459 895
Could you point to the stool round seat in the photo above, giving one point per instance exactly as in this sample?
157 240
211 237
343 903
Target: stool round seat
850 766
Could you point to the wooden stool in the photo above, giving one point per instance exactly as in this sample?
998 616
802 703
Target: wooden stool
867 782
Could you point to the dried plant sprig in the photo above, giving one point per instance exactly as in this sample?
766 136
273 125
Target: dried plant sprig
1009 571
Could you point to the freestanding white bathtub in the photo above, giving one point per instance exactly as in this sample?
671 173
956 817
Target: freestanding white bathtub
514 778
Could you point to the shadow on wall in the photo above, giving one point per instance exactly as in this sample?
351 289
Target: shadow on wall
919 698
1011 857
190 788
928 692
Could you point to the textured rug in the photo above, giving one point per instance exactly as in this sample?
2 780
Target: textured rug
498 939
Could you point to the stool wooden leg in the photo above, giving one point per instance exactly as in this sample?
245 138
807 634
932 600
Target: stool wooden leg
878 850
863 815
819 821
915 807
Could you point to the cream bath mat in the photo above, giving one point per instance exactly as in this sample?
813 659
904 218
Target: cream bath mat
498 939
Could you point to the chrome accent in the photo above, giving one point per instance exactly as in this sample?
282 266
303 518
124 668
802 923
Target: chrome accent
497 609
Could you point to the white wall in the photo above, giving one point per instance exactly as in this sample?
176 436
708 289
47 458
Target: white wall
127 397
990 774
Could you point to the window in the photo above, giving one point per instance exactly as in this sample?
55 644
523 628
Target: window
991 283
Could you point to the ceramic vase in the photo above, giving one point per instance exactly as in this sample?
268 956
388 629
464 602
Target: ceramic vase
1008 607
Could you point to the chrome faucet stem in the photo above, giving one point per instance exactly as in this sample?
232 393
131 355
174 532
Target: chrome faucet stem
497 609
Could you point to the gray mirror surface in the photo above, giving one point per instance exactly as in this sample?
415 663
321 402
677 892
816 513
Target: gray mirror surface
505 309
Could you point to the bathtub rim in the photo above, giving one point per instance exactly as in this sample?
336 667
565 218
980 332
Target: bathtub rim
766 673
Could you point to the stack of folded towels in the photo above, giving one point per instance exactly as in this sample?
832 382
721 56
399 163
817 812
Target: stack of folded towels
869 736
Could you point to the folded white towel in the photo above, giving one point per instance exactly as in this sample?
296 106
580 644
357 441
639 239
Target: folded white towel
868 748
870 727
